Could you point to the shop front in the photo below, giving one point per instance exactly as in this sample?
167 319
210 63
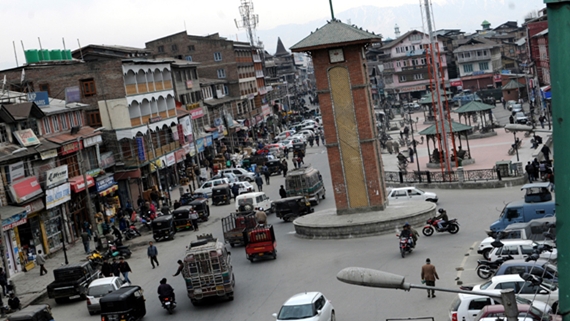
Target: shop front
58 193
107 198
78 204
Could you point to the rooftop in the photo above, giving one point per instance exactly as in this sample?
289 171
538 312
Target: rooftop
335 32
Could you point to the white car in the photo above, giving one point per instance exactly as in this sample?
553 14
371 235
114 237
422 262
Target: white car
289 142
206 188
307 133
285 134
100 287
254 200
232 178
404 194
546 292
308 306
519 250
465 307
241 173
244 187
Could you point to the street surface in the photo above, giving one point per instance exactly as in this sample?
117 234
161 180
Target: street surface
309 265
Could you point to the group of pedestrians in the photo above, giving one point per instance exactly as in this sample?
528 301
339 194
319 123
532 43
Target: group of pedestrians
543 171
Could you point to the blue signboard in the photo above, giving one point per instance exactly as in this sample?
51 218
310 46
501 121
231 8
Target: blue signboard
140 147
72 94
216 134
217 122
104 182
41 98
208 141
200 145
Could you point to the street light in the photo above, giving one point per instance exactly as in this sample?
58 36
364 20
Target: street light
380 279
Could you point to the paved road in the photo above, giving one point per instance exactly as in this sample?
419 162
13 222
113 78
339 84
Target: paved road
306 265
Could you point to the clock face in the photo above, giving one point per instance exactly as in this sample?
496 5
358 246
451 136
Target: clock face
336 55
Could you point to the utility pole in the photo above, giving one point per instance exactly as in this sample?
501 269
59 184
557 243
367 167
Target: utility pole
558 43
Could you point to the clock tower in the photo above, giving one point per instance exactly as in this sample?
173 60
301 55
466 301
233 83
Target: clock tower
343 87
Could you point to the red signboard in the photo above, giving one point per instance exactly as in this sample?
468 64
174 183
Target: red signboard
14 224
181 138
25 189
197 113
180 155
70 148
456 83
497 78
78 185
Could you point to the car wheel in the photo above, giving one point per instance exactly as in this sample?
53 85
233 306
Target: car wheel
91 312
555 307
333 317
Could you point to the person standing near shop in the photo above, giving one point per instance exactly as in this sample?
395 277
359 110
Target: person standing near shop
152 253
41 260
85 240
429 275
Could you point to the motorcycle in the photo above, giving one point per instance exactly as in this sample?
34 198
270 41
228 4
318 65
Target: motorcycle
118 250
452 226
146 222
131 232
95 258
406 244
168 304
486 269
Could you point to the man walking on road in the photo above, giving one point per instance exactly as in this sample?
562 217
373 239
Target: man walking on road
152 253
125 269
282 192
429 275
259 183
41 260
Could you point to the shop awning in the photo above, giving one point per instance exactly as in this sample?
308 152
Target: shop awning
8 211
109 190
83 133
78 185
135 173
25 189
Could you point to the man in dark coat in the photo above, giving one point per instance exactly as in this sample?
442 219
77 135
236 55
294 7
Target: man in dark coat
282 192
106 268
235 191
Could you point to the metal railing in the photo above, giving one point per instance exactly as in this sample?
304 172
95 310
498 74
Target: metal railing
478 175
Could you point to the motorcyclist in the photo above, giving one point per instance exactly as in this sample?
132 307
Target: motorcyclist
402 159
165 291
442 218
409 231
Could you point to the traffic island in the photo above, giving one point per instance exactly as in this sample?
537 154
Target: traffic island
327 224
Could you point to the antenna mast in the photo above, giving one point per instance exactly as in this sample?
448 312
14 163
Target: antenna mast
248 20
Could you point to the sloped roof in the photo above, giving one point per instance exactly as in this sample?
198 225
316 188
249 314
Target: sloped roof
11 113
476 43
513 84
281 51
334 32
473 106
456 127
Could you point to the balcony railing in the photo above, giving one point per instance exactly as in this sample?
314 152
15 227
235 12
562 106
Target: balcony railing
473 58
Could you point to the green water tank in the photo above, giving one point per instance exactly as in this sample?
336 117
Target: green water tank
32 56
44 55
67 55
55 54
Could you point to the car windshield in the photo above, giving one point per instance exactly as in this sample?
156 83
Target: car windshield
245 201
485 285
100 290
295 312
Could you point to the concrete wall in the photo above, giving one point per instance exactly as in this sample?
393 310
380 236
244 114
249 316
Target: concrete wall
115 113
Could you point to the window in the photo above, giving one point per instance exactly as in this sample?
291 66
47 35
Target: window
217 56
63 122
174 47
221 73
226 91
468 68
397 49
418 76
188 58
402 78
44 87
483 65
191 48
47 127
88 87
479 304
160 48
4 134
94 119
55 123
79 118
479 53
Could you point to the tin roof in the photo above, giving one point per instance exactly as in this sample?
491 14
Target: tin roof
335 32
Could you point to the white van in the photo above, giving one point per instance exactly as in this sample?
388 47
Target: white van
255 199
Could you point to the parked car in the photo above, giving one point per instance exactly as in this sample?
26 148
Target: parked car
245 187
100 287
466 306
307 306
519 249
232 178
541 268
293 140
410 193
72 280
521 118
546 292
206 188
242 174
526 313
285 134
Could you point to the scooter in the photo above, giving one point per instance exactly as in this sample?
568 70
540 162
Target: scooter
168 304
452 226
118 250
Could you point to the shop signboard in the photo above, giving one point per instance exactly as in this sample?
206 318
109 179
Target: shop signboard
230 120
200 145
170 159
107 160
216 134
72 94
69 148
94 173
14 220
188 84
58 195
266 110
180 155
197 113
48 154
413 88
90 141
41 98
16 171
25 189
456 83
140 147
104 182
56 176
26 137
208 140
34 206
186 125
497 78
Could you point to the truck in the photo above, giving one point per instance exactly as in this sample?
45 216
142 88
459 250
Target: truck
534 230
235 224
305 181
72 280
208 270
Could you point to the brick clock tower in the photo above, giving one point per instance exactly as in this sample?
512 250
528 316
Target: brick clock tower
337 51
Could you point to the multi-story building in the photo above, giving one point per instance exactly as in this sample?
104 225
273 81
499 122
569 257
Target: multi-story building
405 65
543 63
533 61
477 60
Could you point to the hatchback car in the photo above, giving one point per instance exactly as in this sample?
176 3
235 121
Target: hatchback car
519 249
242 174
465 307
308 306
541 268
403 194
100 287
546 292
206 188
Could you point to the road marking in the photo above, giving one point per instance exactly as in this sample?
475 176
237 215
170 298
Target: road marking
461 268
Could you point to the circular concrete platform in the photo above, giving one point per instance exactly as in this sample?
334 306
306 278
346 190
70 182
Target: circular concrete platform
327 224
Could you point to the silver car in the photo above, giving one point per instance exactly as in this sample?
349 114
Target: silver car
100 287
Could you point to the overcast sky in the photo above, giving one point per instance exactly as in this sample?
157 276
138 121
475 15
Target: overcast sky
133 22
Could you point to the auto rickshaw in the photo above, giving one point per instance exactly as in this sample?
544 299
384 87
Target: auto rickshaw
274 166
299 147
221 194
126 303
182 219
260 242
201 206
163 228
290 208
40 312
